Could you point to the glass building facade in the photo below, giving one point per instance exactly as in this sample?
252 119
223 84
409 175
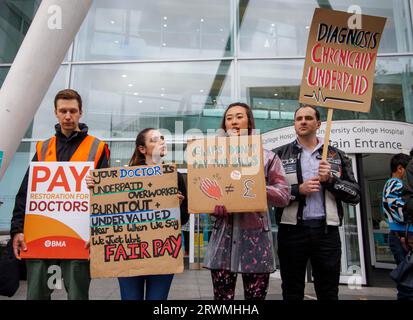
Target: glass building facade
177 64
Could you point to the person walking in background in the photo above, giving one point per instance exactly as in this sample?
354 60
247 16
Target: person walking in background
393 206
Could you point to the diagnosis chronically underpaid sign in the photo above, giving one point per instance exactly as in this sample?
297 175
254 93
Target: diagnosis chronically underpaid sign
340 60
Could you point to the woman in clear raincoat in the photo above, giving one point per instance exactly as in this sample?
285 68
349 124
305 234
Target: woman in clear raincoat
242 242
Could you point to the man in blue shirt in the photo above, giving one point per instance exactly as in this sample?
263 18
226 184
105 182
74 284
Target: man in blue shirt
308 226
393 204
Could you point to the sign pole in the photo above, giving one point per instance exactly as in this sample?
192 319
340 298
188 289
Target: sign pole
327 134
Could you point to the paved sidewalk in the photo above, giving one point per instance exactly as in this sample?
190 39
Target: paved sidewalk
197 285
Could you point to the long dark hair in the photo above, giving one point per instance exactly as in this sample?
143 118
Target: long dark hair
251 122
138 158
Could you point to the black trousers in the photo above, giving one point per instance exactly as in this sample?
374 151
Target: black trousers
322 247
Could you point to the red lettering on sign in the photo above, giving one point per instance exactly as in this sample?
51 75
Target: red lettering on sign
60 174
37 177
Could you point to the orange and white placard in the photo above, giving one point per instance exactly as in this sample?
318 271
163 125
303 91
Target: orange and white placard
57 211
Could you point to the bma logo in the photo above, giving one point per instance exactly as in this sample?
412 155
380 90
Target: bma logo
54 244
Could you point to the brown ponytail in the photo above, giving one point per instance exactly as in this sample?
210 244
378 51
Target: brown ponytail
138 158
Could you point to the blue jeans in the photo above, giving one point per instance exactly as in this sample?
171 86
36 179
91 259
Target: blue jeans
399 253
157 287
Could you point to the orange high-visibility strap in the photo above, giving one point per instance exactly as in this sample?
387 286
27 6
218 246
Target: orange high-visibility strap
90 149
46 150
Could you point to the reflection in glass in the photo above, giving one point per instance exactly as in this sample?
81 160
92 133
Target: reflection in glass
392 94
271 86
15 19
350 258
274 28
120 153
379 227
132 30
3 74
44 121
10 183
274 86
122 99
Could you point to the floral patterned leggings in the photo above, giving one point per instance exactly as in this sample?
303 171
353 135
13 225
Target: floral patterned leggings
255 285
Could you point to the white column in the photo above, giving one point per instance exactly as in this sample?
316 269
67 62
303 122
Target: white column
41 53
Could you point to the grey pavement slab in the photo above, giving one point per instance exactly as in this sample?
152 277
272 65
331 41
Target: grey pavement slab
197 285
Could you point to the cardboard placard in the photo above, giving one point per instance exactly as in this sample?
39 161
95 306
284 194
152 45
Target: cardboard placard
56 224
135 222
340 62
226 171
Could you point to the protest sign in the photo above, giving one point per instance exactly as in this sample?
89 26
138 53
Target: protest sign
226 171
340 60
135 222
57 211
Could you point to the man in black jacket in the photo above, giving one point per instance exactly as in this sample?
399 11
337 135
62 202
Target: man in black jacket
68 144
308 226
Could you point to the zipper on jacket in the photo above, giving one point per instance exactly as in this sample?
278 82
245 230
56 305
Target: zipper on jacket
324 196
301 203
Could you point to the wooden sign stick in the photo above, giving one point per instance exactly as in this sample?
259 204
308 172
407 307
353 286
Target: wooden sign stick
328 131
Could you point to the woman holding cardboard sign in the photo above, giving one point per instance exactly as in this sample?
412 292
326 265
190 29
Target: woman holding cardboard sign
149 150
242 242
